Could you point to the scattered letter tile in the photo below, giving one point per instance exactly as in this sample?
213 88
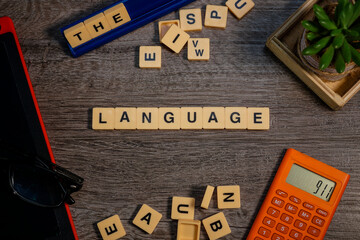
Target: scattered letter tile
188 229
199 49
147 219
164 26
111 228
240 7
207 197
216 16
183 208
150 57
228 196
190 19
216 226
175 38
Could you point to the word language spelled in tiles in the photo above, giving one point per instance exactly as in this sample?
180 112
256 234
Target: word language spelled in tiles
172 33
183 211
181 118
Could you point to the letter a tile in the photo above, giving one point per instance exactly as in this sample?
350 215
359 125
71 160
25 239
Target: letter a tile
199 49
147 219
216 226
150 57
183 208
111 228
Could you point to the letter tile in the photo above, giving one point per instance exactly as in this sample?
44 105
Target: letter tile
164 26
240 7
191 117
183 208
169 118
125 118
147 118
216 226
199 49
77 35
147 219
207 197
258 119
175 38
111 228
117 15
150 57
216 16
97 25
103 118
228 196
235 117
213 118
188 229
190 19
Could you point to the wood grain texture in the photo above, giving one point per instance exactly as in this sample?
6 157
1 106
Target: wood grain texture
125 169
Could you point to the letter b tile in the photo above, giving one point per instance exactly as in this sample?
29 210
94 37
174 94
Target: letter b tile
111 228
183 208
216 226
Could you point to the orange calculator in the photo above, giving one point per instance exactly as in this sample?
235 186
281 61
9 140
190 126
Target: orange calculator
301 200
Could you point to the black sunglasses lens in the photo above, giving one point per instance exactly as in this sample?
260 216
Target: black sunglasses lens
37 185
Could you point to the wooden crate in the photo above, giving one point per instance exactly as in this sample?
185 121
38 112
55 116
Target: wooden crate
283 43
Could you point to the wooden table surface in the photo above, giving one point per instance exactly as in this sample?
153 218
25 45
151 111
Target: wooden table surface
125 169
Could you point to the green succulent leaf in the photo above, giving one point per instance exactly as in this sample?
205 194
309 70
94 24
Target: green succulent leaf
339 62
320 13
338 10
346 52
346 14
311 36
322 43
328 24
311 26
356 13
355 55
338 41
327 57
310 51
335 32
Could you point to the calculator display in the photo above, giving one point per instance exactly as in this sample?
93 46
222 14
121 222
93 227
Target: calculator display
310 182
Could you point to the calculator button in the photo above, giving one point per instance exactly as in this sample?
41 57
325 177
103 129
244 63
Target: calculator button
304 214
300 225
282 228
281 193
295 199
269 222
295 235
278 202
264 232
277 237
308 238
308 206
318 221
286 218
273 212
322 212
291 208
313 231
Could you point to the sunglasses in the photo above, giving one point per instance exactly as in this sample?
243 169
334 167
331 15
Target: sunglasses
39 182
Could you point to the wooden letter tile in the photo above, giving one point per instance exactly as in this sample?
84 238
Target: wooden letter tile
213 118
175 38
183 208
117 15
228 196
188 229
199 49
207 197
240 7
103 118
191 118
77 35
125 118
190 19
97 25
150 57
147 219
235 117
169 118
258 119
216 226
147 118
216 16
111 228
164 26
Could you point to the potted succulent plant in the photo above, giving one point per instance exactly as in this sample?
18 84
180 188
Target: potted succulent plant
330 43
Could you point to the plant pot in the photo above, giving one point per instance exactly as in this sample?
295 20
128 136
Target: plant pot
312 62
